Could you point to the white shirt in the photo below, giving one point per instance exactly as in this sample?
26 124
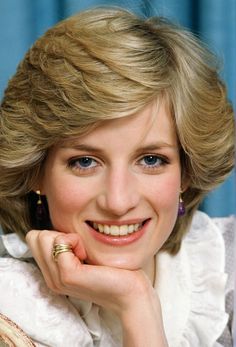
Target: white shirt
191 286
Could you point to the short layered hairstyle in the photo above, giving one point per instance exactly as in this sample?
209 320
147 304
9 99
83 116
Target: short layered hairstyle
102 64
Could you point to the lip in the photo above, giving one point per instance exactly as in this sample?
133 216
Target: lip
118 240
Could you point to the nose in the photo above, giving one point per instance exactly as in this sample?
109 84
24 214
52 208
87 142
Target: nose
120 192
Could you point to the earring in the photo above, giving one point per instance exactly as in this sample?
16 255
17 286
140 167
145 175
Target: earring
181 210
40 209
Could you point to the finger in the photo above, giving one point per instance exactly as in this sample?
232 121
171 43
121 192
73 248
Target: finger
41 243
69 262
74 241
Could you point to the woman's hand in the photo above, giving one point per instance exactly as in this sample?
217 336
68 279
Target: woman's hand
106 286
129 294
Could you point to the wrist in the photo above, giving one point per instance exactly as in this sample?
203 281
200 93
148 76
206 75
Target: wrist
142 323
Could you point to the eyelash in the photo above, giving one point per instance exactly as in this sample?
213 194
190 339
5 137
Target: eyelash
74 163
161 161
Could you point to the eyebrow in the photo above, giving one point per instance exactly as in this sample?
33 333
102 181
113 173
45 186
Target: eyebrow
92 149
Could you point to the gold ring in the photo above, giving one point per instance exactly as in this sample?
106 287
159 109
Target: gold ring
60 248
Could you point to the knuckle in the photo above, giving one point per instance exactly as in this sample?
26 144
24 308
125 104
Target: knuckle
36 235
60 239
30 235
43 235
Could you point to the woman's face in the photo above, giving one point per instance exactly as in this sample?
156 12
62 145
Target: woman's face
117 187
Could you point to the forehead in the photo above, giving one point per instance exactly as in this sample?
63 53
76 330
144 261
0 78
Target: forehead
153 123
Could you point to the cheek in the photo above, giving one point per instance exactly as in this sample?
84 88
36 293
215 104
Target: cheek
166 208
66 199
170 197
166 192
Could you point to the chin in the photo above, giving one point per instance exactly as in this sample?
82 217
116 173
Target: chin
116 263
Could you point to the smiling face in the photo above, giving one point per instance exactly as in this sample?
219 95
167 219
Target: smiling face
118 188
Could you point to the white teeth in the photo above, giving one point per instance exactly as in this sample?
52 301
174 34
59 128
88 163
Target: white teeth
106 229
123 230
116 230
100 228
130 228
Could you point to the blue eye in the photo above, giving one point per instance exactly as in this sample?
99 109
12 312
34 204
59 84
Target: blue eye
85 162
82 163
152 162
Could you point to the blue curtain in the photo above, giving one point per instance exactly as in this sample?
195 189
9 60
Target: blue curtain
214 21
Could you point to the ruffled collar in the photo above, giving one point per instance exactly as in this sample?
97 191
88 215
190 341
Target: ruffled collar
191 287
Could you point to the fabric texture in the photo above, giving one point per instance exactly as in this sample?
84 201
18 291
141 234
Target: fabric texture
193 305
228 226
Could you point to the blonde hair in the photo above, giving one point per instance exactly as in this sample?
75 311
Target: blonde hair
107 63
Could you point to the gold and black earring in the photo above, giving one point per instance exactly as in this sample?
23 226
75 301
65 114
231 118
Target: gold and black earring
181 209
40 209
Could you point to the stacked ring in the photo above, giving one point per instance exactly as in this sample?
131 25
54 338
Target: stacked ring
60 248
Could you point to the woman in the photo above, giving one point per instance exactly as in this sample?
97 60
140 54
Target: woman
112 131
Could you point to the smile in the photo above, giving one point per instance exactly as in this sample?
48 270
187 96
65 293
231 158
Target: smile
117 234
117 230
